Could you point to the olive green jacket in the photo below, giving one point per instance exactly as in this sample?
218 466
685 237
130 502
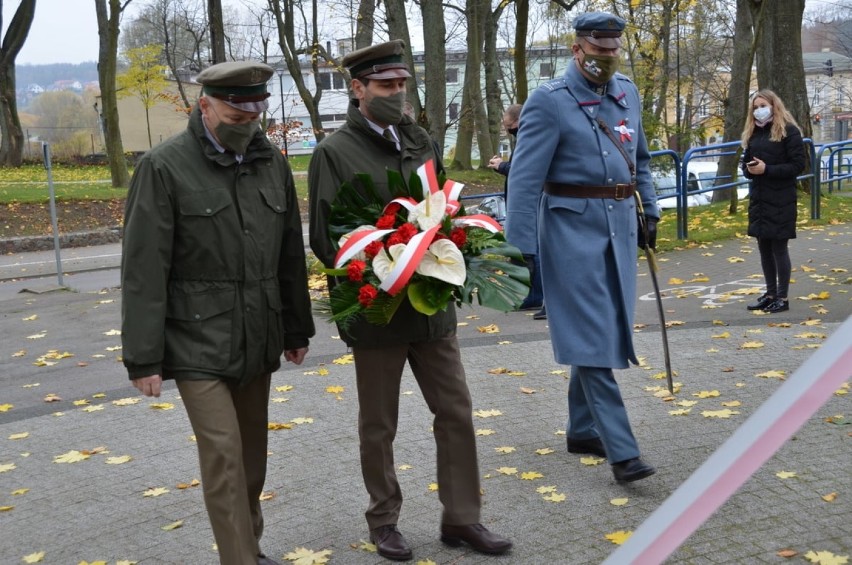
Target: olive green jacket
356 148
213 272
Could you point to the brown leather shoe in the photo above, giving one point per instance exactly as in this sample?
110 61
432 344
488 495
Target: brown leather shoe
390 544
476 536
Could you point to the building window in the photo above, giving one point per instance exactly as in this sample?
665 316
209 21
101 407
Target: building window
452 75
703 109
454 111
332 81
545 70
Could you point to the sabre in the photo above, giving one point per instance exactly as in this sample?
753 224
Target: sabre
652 263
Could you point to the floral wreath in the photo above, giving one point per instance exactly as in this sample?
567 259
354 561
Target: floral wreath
421 246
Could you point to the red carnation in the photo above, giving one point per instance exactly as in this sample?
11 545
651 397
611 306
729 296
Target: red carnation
438 235
392 209
367 294
394 238
385 222
373 249
459 237
407 231
355 270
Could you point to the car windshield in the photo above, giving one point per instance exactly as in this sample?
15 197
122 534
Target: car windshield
665 184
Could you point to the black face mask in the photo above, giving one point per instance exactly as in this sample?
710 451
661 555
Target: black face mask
512 131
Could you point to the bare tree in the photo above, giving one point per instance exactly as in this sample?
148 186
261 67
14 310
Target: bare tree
217 31
435 75
12 142
108 29
365 24
398 29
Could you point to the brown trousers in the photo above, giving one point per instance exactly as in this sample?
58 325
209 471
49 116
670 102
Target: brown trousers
230 426
439 372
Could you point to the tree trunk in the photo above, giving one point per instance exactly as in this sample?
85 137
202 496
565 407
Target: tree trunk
435 75
522 11
11 134
366 24
398 29
217 31
108 29
493 96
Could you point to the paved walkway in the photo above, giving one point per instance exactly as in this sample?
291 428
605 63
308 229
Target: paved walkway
96 509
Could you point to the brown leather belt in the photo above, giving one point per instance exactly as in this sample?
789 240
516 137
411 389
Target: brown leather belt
618 191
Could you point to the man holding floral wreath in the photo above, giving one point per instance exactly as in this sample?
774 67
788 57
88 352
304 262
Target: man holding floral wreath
376 138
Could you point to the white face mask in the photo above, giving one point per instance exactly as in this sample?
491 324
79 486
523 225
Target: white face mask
763 113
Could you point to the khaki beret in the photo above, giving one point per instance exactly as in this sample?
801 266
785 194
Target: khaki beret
384 60
241 84
600 28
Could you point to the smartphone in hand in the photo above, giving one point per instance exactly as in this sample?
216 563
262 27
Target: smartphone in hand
751 163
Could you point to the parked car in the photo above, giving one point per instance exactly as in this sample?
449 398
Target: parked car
665 184
493 206
700 176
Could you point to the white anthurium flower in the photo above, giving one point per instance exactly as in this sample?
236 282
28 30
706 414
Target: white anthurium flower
430 211
360 256
443 261
383 265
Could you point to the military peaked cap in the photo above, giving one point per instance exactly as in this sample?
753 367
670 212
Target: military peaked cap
241 84
378 61
600 28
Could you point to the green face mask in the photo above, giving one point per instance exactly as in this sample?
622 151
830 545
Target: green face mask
236 137
601 67
387 109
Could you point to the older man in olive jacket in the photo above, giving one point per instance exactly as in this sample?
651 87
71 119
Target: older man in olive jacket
378 137
214 289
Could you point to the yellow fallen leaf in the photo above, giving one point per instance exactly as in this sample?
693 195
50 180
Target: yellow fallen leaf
504 343
735 259
278 426
432 487
830 497
72 456
675 280
786 474
774 374
20 491
266 495
592 461
119 460
504 450
826 558
723 335
507 470
489 329
485 432
37 336
531 476
158 491
405 467
787 553
284 388
706 394
425 562
334 389
21 435
810 335
322 371
824 295
554 497
618 501
34 557
346 359
719 413
619 537
30 318
527 390
498 371
162 406
686 403
302 420
96 408
126 401
545 490
680 412
112 348
6 508
173 526
487 413
544 451
752 345
516 373
304 556
719 323
20 353
732 403
6 467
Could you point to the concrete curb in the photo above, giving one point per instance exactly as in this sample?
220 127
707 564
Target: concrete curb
27 244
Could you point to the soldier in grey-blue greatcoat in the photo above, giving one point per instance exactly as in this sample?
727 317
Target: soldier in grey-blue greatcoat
580 157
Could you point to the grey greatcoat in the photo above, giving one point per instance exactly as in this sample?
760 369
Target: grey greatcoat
587 246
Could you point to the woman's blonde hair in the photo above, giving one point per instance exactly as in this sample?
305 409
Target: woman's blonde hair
780 117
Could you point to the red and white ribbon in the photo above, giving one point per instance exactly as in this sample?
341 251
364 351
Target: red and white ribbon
405 202
428 177
406 264
479 221
356 243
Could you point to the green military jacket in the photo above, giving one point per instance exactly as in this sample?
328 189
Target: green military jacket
356 148
213 272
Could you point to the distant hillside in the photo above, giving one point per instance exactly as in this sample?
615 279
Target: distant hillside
48 74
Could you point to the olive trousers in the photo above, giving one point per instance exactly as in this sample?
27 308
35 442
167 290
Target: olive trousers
230 425
439 372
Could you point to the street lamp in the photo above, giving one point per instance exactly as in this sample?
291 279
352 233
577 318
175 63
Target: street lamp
284 126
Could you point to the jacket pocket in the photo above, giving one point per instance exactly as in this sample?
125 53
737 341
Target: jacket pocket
274 198
198 330
576 205
206 203
274 325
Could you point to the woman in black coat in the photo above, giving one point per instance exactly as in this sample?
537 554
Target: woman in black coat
774 156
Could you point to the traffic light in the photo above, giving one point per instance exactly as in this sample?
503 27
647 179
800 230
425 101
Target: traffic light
829 68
